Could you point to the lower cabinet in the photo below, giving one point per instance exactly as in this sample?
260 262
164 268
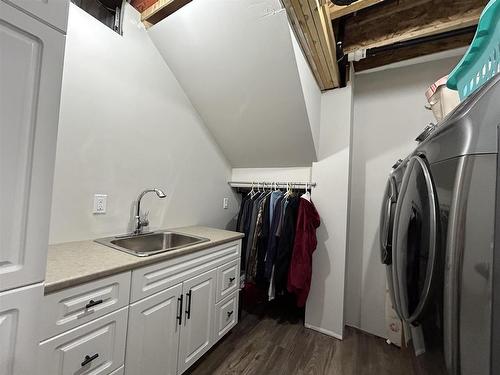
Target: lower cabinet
170 330
120 371
226 316
161 334
96 348
197 329
19 330
153 334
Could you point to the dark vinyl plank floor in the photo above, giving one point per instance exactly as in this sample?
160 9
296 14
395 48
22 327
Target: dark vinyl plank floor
264 344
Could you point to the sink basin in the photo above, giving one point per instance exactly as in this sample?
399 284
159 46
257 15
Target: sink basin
151 243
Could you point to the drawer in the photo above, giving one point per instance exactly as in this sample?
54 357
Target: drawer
228 279
73 307
226 316
152 279
96 348
120 371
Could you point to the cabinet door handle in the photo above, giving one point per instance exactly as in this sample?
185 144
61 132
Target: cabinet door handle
188 305
231 279
179 303
89 359
229 313
93 303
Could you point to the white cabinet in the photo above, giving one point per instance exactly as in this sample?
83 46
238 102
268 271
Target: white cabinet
196 333
120 371
31 60
167 331
173 318
149 280
54 12
19 330
228 279
96 348
75 306
153 333
226 316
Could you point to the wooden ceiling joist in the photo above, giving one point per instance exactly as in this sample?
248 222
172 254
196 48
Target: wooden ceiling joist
337 11
408 20
311 24
153 11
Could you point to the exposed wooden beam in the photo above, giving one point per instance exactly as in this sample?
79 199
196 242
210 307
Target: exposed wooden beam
161 9
337 11
142 5
332 43
435 27
409 52
304 42
311 25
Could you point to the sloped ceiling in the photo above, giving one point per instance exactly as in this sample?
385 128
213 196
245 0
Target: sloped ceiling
236 62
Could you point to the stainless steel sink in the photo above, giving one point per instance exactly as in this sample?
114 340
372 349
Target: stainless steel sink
151 243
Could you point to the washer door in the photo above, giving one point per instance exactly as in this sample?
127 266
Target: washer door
387 220
415 240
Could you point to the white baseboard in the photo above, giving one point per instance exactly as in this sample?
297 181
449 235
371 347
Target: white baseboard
324 331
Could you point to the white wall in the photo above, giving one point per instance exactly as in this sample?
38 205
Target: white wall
325 305
126 124
388 114
236 62
310 90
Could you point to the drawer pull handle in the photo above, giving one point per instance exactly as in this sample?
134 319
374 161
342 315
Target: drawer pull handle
188 305
231 279
93 303
89 359
229 313
179 301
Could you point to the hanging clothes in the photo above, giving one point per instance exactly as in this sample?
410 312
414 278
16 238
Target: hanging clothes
262 241
273 240
285 246
300 271
280 237
252 255
250 224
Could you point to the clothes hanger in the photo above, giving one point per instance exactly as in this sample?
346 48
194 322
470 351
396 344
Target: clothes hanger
251 193
307 194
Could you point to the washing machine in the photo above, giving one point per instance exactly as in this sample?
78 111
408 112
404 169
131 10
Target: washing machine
387 212
445 256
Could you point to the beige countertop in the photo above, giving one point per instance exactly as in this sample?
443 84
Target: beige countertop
74 263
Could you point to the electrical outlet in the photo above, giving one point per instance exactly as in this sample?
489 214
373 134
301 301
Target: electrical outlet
225 203
100 203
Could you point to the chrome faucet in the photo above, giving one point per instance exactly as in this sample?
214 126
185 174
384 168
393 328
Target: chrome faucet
144 222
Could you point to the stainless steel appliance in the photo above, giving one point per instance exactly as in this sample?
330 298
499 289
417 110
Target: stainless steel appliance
387 212
445 261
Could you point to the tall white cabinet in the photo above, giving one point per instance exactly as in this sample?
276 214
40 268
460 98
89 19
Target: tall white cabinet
31 61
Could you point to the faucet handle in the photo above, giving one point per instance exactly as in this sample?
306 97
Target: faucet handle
144 219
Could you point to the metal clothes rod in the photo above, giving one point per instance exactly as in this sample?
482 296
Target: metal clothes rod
272 184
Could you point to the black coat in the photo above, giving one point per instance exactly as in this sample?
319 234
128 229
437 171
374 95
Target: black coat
285 246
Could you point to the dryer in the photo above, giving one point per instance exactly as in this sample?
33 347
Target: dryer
445 256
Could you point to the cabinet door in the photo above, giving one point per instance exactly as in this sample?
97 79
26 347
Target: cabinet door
18 330
153 334
196 331
54 12
31 59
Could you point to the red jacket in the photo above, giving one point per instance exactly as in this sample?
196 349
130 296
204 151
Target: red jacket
299 273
